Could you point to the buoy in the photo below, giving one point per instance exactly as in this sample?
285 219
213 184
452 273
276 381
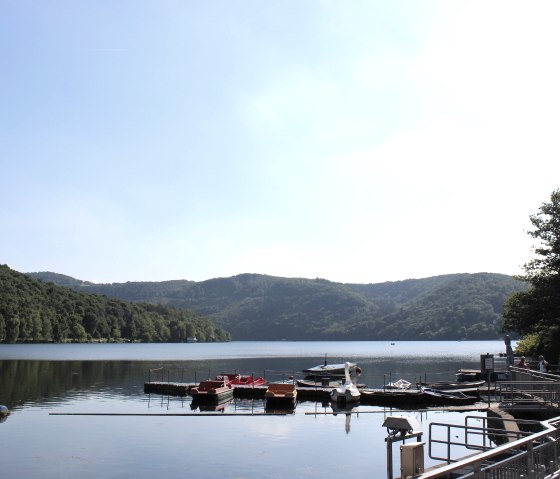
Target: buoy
4 411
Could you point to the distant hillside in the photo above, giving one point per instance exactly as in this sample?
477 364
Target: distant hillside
261 307
36 311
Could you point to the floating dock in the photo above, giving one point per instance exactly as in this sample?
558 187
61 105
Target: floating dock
304 393
239 391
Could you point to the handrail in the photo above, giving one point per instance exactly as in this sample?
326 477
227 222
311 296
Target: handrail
524 456
468 431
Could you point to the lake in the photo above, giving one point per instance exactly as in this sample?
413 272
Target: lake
168 438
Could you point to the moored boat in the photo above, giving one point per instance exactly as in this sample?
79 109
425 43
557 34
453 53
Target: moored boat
467 387
392 397
330 370
346 393
281 395
400 384
241 379
447 398
212 391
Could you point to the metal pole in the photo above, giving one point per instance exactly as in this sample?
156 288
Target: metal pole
389 458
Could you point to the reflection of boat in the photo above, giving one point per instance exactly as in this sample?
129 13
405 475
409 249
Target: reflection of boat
209 407
346 393
347 410
280 396
215 391
330 370
241 379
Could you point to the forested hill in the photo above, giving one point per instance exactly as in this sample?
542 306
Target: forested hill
260 307
33 310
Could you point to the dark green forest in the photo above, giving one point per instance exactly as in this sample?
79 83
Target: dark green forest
261 307
36 311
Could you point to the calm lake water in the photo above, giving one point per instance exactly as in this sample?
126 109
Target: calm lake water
241 442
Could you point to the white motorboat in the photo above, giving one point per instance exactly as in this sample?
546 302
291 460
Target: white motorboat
347 392
330 370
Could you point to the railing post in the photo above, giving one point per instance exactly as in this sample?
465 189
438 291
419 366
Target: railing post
530 460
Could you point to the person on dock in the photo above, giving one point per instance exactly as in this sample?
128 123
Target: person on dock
522 363
509 350
543 365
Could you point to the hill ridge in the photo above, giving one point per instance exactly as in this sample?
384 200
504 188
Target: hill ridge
262 307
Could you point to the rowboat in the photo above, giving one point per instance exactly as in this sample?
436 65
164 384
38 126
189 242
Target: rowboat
414 398
447 398
467 387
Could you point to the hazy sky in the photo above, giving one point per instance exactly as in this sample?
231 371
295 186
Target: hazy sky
357 141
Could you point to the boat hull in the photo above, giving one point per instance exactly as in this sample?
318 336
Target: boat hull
329 370
212 392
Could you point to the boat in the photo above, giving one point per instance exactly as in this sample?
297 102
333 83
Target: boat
435 397
241 379
392 397
326 382
415 398
212 391
330 370
467 375
400 384
348 392
280 396
467 387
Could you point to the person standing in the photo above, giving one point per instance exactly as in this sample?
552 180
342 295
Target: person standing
509 350
543 365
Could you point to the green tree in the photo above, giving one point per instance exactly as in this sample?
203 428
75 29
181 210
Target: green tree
535 313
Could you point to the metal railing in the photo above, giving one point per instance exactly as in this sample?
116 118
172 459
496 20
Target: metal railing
535 456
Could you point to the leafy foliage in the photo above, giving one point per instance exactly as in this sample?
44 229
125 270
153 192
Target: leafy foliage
35 311
260 307
535 312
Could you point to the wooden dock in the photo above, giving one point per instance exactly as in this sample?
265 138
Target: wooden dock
239 391
304 393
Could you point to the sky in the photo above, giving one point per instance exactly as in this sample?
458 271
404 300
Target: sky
355 141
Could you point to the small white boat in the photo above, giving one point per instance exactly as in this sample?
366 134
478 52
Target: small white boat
348 392
400 384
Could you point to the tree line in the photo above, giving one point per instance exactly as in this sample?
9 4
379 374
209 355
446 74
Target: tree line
35 311
262 307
